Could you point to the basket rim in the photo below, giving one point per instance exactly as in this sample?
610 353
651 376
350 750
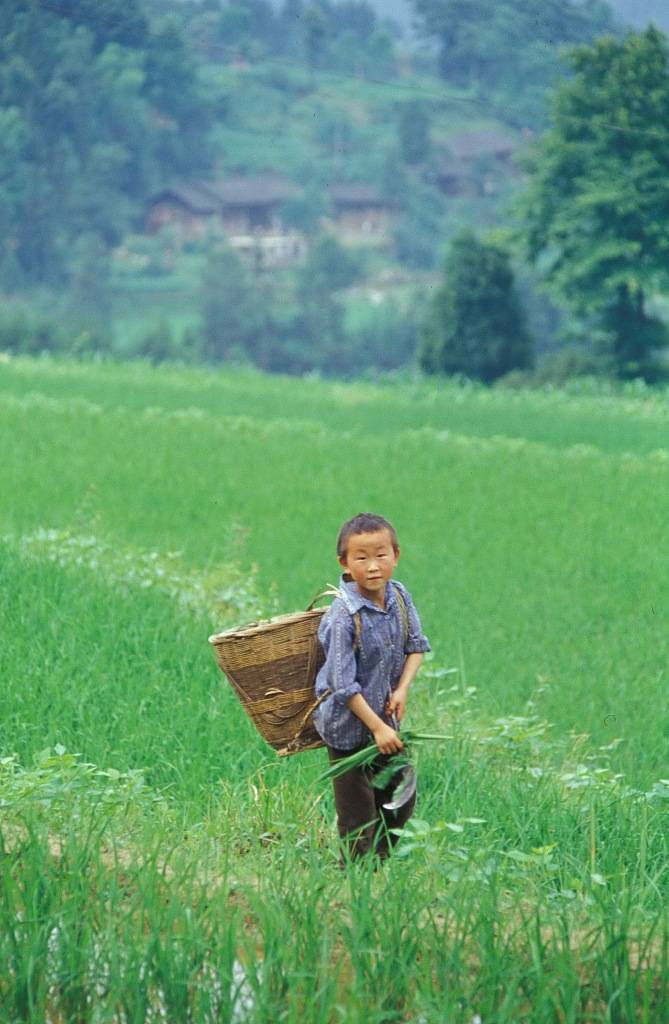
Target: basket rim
263 625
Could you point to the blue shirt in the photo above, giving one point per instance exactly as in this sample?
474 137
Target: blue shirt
375 670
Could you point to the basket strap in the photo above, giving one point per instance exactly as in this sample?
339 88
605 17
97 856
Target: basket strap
357 625
404 614
291 747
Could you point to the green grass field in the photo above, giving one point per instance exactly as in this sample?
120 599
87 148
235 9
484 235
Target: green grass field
159 862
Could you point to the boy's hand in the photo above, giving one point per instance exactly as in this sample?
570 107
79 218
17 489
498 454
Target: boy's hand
387 740
397 703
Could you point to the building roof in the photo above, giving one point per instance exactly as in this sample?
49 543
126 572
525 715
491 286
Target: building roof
188 194
357 196
472 145
449 167
211 197
262 190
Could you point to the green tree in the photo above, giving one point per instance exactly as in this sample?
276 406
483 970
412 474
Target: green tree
508 45
234 320
418 231
414 131
329 267
315 33
157 344
249 24
355 17
181 141
476 325
289 28
109 21
305 210
234 23
90 293
94 113
596 211
317 329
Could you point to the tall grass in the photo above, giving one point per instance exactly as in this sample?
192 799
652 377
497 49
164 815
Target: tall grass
528 562
157 862
634 421
118 913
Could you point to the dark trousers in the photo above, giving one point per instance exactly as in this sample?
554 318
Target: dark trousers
362 822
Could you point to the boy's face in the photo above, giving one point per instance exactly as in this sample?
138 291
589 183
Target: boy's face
371 559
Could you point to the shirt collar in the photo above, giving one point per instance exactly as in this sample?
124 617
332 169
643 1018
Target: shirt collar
354 600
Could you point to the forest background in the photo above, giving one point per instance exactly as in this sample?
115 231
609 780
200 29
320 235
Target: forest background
429 109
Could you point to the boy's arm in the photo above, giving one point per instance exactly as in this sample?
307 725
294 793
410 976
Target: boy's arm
398 698
385 738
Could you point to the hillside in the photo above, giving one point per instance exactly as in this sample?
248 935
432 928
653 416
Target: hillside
335 165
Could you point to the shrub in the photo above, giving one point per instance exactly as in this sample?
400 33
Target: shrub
23 335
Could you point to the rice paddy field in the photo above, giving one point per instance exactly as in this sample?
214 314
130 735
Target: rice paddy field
158 862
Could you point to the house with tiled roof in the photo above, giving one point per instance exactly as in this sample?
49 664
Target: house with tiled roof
240 205
361 210
248 210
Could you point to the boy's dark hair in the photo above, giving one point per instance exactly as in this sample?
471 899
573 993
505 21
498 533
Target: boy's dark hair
364 522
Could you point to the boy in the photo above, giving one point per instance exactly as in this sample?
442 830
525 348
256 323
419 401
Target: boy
373 646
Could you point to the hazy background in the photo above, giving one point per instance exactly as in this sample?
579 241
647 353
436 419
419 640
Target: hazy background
279 182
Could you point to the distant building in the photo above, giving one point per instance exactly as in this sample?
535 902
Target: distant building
471 146
248 211
360 210
184 206
248 205
474 162
265 251
239 205
454 178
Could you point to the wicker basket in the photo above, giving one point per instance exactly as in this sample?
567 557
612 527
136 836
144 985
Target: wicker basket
272 666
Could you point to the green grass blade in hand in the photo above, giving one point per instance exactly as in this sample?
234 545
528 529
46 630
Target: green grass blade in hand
344 764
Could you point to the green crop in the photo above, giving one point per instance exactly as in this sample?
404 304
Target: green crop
158 861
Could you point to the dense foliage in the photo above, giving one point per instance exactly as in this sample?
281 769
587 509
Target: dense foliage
597 208
344 36
509 46
296 327
95 110
104 104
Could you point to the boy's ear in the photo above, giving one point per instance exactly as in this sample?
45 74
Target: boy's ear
342 560
397 554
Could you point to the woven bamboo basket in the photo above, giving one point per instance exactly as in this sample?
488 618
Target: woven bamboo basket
272 666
